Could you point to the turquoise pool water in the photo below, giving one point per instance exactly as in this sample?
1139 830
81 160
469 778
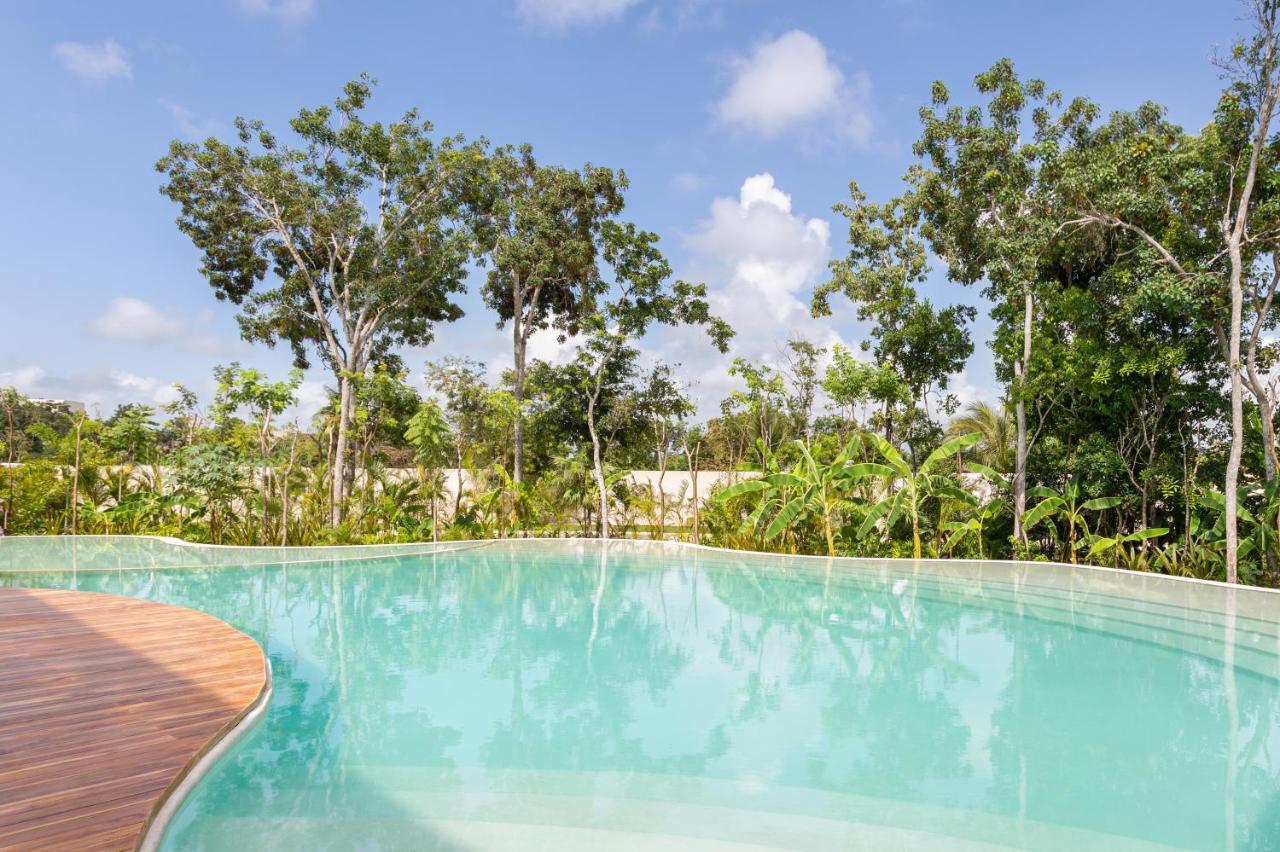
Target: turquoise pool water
555 695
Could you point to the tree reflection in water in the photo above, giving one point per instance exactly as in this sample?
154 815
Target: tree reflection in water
557 684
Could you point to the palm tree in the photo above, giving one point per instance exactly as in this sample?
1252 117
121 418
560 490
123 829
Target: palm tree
995 425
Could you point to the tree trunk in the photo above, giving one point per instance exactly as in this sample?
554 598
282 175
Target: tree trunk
518 351
1019 485
1266 412
339 472
597 463
284 490
1232 483
75 482
457 495
262 479
662 494
691 458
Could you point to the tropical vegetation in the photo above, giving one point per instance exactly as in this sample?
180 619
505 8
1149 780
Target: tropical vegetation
1130 267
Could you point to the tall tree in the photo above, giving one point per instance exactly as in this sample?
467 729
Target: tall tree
1204 207
539 230
887 259
987 198
642 295
358 227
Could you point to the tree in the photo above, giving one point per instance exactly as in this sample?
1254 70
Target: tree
467 409
1202 202
130 431
995 426
763 403
265 400
359 228
10 401
185 413
212 474
886 260
663 407
801 368
428 434
987 196
642 295
1067 506
852 385
539 226
691 440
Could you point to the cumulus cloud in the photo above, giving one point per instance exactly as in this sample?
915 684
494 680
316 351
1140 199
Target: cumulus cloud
561 14
791 82
285 12
312 396
130 320
96 62
760 261
760 258
189 125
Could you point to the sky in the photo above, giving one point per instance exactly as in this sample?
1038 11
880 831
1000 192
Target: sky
739 123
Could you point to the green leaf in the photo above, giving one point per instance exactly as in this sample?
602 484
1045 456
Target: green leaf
890 454
1097 504
784 518
1041 511
785 480
862 470
750 486
989 472
1102 543
878 511
949 448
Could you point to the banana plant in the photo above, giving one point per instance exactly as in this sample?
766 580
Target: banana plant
1069 508
914 487
974 525
810 490
1115 544
1257 535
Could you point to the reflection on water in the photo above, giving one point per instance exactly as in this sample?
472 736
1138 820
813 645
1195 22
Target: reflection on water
432 701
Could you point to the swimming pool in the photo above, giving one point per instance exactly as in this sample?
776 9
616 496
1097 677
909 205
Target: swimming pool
564 695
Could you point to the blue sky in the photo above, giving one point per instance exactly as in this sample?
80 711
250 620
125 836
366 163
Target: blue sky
739 124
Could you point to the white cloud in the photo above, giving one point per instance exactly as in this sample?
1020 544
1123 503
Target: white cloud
130 320
312 396
93 61
101 390
290 13
759 257
791 82
189 125
760 261
561 14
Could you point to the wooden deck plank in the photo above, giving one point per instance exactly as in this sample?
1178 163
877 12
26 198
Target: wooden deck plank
105 704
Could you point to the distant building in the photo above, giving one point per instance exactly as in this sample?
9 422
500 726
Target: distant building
69 406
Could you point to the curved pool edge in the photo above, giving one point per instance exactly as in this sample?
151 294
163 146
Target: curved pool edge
201 764
451 545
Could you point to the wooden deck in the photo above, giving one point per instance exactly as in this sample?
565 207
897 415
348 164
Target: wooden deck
105 704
